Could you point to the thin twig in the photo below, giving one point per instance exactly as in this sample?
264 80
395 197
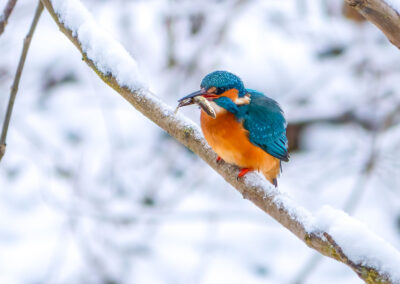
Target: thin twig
6 14
308 268
14 88
217 38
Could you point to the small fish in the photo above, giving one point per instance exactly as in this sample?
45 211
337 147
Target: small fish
200 101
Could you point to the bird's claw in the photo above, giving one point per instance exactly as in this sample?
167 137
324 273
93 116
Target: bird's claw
219 160
242 173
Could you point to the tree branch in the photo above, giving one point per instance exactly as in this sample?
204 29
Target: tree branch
14 88
295 218
6 14
382 15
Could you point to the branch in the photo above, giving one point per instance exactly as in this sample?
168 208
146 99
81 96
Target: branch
6 14
296 126
351 13
14 88
382 15
323 232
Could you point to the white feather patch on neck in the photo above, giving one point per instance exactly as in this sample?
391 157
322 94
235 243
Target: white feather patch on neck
217 108
243 101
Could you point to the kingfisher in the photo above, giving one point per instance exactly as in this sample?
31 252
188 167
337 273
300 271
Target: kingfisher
248 129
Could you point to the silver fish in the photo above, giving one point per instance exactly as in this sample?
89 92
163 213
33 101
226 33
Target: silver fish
200 101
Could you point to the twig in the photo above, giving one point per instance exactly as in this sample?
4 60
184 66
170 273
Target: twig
381 15
14 88
216 39
308 268
351 13
255 190
6 14
347 116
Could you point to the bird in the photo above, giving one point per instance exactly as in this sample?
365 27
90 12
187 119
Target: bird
249 128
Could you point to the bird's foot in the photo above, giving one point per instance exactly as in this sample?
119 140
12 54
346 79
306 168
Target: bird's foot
243 172
219 160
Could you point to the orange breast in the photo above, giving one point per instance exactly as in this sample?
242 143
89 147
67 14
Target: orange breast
230 141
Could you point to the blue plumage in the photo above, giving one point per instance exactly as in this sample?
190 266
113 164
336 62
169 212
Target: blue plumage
229 105
263 117
223 81
251 133
264 120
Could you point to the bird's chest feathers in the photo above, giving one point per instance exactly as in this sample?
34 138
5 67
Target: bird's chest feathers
225 134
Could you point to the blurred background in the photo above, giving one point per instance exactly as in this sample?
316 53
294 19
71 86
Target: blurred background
93 192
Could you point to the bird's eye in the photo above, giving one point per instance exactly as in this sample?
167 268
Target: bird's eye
219 91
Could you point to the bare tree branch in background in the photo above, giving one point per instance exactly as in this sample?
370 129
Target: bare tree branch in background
14 88
254 189
6 14
295 127
382 15
351 13
216 38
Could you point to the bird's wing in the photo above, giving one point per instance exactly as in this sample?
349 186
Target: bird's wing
264 120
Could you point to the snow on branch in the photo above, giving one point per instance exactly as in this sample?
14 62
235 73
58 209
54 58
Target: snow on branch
383 14
331 232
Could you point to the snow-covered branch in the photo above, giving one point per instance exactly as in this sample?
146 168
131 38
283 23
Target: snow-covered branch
331 232
381 13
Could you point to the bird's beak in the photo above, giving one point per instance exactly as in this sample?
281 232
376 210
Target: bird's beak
200 98
202 92
185 101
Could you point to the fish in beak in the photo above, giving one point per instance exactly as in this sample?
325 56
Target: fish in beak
199 98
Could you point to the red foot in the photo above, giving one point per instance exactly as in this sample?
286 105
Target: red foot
218 160
243 172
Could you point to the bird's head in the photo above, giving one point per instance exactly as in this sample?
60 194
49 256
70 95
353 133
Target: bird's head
220 87
218 83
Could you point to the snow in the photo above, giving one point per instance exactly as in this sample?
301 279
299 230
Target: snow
356 240
109 56
296 212
282 200
359 243
78 185
395 4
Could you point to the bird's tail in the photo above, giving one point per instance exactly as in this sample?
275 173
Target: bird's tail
273 180
272 173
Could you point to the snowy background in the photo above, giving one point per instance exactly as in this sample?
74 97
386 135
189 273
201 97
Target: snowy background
93 192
